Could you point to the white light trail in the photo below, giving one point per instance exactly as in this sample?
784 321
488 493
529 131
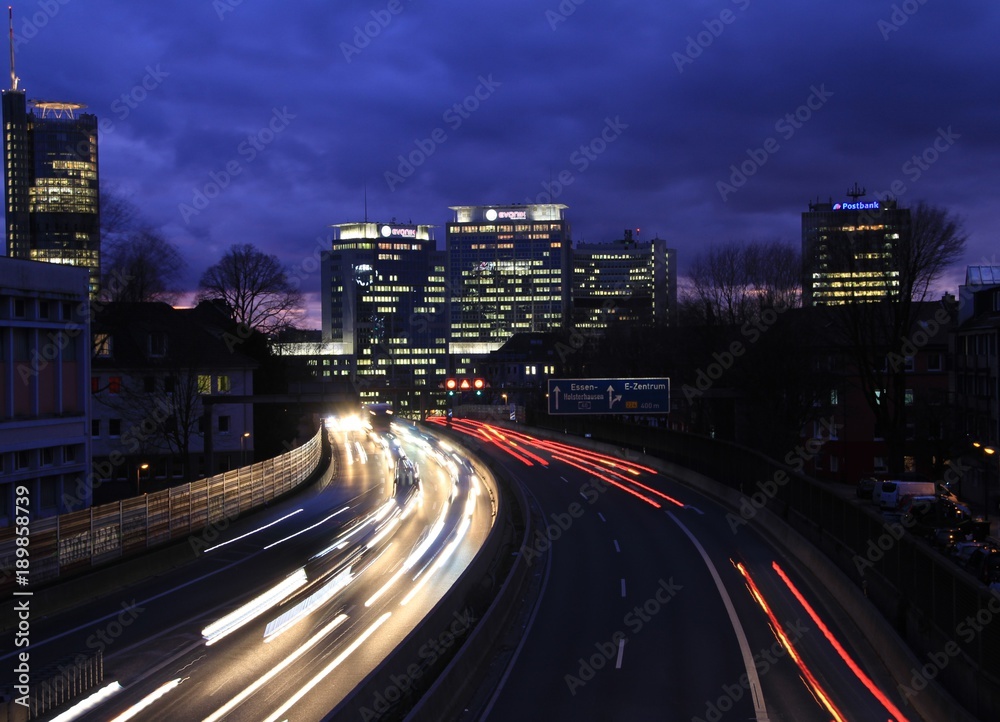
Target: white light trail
307 605
85 705
279 713
147 701
308 528
275 671
260 528
254 608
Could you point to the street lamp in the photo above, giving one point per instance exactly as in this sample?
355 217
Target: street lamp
989 451
139 469
243 448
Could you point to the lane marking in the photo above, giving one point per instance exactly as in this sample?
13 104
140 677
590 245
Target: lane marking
760 709
623 588
564 479
621 651
602 516
617 548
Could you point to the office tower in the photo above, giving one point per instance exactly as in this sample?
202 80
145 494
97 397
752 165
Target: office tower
849 250
509 271
626 281
51 183
383 305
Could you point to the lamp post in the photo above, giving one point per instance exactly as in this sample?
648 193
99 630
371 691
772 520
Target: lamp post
989 451
243 448
138 470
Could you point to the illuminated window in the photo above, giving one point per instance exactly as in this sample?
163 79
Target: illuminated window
225 385
102 345
204 384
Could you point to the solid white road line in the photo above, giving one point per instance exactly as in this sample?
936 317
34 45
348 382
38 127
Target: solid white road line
760 710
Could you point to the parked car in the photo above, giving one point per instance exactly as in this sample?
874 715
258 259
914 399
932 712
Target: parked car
944 522
891 492
865 487
984 564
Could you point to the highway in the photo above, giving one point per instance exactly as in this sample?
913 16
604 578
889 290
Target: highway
283 613
654 605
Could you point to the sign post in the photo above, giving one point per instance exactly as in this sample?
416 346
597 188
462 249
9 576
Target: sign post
609 396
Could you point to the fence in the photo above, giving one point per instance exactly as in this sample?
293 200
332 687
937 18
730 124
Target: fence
62 545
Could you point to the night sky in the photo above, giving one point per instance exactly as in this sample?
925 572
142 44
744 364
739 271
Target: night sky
633 114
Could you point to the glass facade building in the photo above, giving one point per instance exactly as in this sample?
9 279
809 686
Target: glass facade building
509 271
385 316
849 251
625 281
51 183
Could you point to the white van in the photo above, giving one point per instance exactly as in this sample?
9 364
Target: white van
890 493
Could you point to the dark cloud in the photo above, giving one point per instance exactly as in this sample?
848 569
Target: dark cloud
694 88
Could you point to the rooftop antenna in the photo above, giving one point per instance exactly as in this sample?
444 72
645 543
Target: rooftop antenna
13 76
855 192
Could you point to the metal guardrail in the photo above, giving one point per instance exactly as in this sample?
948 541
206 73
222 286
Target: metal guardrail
69 543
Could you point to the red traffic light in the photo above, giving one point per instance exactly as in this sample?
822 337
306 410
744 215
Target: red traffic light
479 383
451 384
465 385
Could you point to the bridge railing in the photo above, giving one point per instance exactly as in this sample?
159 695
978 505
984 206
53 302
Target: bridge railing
63 545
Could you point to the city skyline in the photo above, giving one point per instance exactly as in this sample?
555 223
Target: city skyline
698 124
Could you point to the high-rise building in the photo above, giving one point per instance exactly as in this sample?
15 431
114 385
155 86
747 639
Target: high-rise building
509 270
384 307
51 183
849 250
45 443
626 281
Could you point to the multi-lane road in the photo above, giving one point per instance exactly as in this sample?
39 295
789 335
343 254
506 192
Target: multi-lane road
651 601
655 605
282 614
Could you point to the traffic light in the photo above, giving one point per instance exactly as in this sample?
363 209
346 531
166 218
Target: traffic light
451 385
479 385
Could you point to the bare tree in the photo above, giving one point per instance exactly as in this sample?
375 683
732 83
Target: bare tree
141 266
255 288
731 284
137 263
878 335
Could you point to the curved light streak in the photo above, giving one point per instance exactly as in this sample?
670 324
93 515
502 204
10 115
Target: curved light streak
254 608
